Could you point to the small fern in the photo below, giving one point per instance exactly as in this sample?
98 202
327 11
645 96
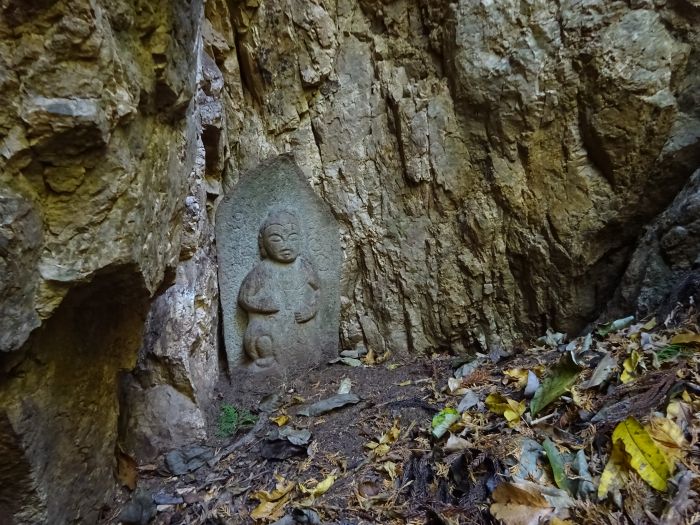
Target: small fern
232 419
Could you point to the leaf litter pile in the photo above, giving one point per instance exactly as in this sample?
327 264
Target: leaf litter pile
600 429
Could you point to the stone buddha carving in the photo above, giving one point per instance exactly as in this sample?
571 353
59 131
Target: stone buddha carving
280 295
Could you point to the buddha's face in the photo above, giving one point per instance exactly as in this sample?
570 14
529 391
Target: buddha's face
282 242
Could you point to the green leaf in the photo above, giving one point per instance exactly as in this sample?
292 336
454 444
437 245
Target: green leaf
443 420
557 463
555 384
231 419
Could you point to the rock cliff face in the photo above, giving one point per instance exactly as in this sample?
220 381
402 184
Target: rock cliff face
492 165
98 154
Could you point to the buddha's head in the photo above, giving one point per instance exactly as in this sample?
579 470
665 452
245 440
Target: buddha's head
280 237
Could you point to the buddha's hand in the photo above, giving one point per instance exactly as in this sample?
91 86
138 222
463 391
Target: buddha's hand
304 315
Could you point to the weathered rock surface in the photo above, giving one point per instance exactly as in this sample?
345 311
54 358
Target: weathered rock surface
491 166
98 144
665 267
491 163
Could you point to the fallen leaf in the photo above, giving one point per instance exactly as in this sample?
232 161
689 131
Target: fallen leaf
629 367
585 481
350 361
320 488
517 506
443 420
470 400
614 474
391 469
552 339
685 339
455 444
525 503
644 455
508 408
669 437
532 384
127 470
650 324
280 420
557 463
602 372
680 413
683 500
455 386
614 326
555 384
519 375
272 503
381 446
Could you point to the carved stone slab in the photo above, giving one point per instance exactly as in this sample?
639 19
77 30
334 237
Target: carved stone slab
279 262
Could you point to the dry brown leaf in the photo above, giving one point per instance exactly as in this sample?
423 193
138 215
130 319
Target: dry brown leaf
127 470
517 506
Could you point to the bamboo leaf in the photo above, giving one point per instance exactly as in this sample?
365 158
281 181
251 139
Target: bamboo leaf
557 463
555 384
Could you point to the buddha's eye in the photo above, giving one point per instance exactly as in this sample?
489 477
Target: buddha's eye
293 237
275 238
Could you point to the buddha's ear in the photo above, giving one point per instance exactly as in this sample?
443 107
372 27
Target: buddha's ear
261 246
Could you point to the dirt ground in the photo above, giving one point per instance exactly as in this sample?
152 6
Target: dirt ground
381 460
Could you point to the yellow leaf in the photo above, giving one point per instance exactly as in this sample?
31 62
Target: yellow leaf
629 367
680 413
650 324
390 468
320 488
519 374
685 339
272 503
644 455
369 358
496 403
381 450
404 383
614 475
281 420
668 437
514 411
508 408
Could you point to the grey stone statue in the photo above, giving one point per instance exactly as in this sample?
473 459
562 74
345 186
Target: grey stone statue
279 257
280 295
